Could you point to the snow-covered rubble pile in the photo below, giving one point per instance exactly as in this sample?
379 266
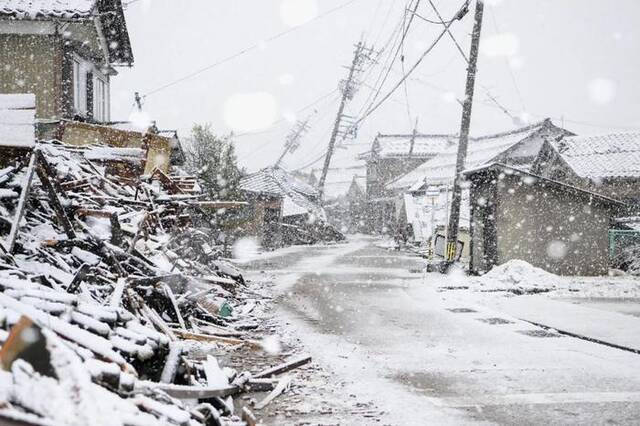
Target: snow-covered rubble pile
109 270
516 276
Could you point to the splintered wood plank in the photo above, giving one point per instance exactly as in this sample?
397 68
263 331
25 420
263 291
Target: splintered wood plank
284 367
281 387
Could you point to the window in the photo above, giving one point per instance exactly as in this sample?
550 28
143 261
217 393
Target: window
100 99
79 88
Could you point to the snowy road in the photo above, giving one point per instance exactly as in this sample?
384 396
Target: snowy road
440 357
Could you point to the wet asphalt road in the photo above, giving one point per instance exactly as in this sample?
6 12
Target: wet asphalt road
431 357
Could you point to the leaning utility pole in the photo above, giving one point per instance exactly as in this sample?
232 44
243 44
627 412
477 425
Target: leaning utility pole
454 218
348 88
292 141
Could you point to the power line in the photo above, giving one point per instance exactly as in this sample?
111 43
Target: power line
248 49
461 12
513 76
390 42
260 148
406 88
282 120
464 56
405 31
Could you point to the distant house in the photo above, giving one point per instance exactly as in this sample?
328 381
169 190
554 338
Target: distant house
607 164
346 209
280 203
392 156
519 215
519 148
64 52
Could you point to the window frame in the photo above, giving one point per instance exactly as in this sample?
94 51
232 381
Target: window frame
79 79
100 97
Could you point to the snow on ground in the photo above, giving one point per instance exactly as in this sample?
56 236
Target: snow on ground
519 277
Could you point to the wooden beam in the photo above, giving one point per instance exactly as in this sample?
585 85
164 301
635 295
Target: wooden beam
191 392
53 189
80 275
174 303
283 368
26 187
281 387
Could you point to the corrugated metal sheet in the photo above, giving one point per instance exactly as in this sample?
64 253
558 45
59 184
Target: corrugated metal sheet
17 120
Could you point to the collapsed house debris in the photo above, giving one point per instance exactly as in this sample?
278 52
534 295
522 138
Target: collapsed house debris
288 210
111 312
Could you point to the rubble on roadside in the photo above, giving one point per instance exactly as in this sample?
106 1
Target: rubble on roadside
111 311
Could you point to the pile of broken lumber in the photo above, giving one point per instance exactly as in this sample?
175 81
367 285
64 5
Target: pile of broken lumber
112 311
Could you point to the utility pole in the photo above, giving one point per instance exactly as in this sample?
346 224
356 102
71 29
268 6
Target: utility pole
454 218
138 101
348 88
293 139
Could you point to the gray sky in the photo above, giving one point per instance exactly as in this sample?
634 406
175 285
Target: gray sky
575 60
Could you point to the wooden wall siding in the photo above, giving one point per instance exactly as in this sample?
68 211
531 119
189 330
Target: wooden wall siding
159 147
30 65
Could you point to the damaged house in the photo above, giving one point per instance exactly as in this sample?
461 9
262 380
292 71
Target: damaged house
284 209
65 52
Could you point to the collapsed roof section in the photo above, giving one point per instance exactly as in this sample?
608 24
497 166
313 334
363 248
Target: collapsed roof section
298 197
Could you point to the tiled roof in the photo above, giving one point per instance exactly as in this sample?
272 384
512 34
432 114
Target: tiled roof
47 8
602 156
441 168
298 197
424 146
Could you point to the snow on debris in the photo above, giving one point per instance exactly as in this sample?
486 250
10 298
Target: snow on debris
113 281
516 276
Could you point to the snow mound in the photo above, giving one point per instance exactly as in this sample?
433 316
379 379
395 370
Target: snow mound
519 277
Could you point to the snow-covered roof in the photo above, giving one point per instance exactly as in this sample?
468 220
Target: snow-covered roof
110 14
417 146
17 120
47 8
441 168
602 156
510 170
298 197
